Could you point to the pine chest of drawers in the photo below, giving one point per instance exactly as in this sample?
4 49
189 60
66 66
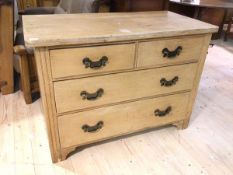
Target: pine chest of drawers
106 75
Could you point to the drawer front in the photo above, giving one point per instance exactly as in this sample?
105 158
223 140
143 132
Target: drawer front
73 94
91 60
99 124
169 51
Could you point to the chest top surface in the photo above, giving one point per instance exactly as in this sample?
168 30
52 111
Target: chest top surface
55 30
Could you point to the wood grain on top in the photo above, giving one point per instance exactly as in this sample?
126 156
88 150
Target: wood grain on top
54 30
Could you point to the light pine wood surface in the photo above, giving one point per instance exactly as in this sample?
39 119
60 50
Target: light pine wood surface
116 60
149 50
205 147
65 96
122 87
107 27
120 119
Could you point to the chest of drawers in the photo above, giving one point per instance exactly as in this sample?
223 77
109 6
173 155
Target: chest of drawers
107 75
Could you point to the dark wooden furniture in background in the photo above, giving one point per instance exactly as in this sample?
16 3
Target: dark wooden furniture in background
138 5
24 4
211 11
46 3
28 73
6 47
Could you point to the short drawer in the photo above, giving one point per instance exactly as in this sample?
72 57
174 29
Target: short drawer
103 123
169 51
91 60
108 89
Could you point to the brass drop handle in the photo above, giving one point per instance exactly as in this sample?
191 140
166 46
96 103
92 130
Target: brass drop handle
160 113
168 83
171 54
91 129
95 64
92 96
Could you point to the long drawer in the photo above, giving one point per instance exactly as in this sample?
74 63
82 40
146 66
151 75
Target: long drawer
96 91
169 51
99 124
91 60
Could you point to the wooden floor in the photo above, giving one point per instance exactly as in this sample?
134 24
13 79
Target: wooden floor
206 147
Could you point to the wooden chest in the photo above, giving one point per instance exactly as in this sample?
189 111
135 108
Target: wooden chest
107 75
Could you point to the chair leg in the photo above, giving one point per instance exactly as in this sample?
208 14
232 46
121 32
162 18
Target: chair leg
228 30
225 36
25 79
